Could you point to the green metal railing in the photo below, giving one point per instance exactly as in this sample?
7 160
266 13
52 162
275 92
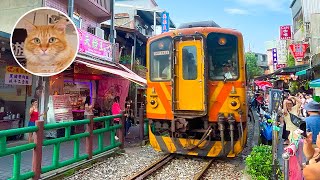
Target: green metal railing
17 150
37 147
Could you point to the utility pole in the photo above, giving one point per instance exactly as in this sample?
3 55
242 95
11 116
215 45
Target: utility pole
112 38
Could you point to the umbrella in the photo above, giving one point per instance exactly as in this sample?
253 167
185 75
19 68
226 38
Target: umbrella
263 84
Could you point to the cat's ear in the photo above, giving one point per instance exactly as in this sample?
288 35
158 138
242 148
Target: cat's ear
61 25
29 26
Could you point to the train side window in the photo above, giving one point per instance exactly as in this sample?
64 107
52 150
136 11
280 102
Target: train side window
160 60
189 61
223 56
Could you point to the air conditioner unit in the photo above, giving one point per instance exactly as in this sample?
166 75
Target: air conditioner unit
99 32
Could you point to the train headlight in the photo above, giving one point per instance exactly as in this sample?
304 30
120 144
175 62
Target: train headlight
153 103
234 103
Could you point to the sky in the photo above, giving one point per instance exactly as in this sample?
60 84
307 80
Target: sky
258 20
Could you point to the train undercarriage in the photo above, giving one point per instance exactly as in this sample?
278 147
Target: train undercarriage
198 136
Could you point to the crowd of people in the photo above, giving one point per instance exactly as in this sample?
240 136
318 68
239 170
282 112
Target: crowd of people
299 117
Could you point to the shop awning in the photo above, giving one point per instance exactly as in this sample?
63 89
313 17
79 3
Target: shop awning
124 72
291 70
303 72
315 83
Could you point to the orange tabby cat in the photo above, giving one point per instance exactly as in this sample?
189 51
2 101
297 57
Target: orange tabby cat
46 48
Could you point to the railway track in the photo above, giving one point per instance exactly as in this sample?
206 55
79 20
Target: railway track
162 162
153 167
204 170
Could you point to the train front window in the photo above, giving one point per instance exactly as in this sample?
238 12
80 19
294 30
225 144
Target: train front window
189 56
160 60
223 56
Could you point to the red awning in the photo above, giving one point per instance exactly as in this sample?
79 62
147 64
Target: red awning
124 72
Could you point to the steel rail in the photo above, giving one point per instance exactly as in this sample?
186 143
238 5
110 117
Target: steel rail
152 168
204 170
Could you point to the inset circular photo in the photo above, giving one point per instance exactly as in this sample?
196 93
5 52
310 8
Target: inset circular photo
44 41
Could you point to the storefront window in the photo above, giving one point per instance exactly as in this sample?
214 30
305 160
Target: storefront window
160 60
189 61
223 56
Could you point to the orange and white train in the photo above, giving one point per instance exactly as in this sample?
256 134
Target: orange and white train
196 91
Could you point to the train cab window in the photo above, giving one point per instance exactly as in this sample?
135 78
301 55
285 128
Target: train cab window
189 56
223 56
160 60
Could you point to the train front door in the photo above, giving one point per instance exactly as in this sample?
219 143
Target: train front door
189 76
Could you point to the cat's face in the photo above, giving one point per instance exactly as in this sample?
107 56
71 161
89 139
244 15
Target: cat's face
45 42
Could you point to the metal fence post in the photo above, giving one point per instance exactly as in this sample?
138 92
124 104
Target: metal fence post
37 151
286 157
122 130
89 139
141 123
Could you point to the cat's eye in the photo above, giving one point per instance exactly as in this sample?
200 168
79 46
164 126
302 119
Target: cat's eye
51 40
36 40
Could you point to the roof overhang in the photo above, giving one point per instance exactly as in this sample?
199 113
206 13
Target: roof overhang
128 30
291 70
148 16
120 70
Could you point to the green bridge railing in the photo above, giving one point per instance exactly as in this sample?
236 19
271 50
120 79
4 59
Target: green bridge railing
39 142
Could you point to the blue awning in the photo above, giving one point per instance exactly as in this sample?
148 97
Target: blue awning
315 83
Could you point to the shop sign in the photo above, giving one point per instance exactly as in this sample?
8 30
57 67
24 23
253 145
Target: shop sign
298 50
279 66
17 76
62 108
18 37
285 32
90 44
165 22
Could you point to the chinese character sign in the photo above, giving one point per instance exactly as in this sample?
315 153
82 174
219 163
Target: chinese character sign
298 50
275 98
93 45
165 22
279 66
17 76
285 32
274 56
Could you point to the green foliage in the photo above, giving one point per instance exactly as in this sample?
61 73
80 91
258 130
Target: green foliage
290 61
259 163
252 67
125 59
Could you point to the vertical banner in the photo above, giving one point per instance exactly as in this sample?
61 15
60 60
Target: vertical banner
274 56
164 22
285 32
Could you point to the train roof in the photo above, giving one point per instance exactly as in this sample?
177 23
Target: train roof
198 24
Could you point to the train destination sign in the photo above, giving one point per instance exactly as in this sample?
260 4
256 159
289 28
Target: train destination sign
161 53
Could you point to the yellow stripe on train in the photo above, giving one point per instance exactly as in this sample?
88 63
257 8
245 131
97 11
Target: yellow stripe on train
180 146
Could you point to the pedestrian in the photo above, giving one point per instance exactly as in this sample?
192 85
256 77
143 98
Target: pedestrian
291 105
116 110
312 154
313 121
88 108
129 113
34 116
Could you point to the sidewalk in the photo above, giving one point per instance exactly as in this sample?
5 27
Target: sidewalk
66 152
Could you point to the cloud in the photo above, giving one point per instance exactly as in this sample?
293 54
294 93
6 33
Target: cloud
274 5
236 11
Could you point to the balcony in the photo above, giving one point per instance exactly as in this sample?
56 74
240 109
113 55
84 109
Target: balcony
98 8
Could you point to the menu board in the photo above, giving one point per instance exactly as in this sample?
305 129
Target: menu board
60 108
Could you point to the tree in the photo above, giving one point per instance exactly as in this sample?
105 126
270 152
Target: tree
252 68
290 60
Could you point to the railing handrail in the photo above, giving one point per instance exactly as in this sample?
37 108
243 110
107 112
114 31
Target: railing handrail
37 146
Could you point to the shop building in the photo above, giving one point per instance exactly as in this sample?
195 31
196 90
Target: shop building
92 74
